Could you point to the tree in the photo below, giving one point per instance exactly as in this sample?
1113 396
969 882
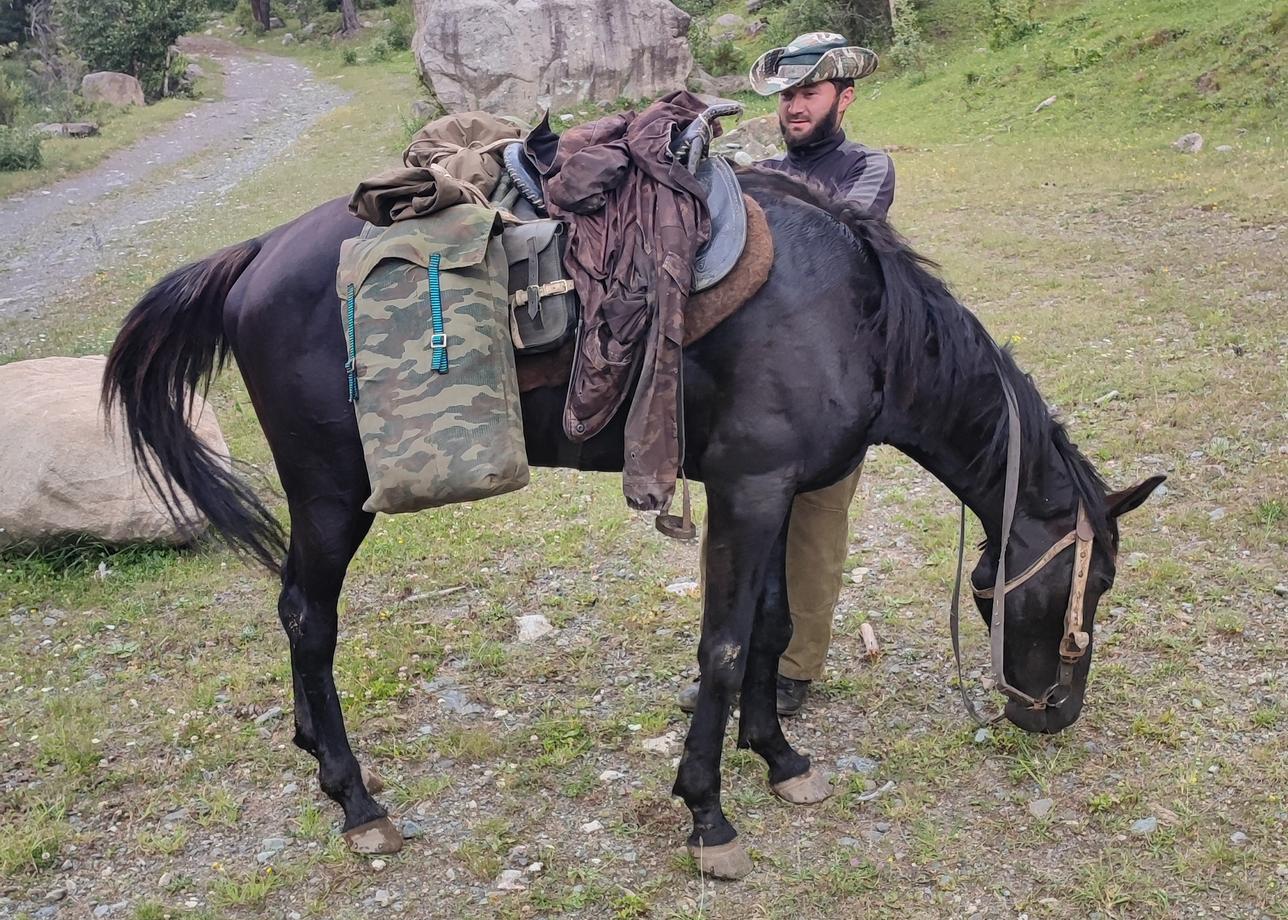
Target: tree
349 24
127 36
259 9
13 21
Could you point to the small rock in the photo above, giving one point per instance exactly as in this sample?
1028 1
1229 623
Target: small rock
743 158
1224 148
856 764
106 910
382 897
565 119
1145 826
683 588
510 880
882 827
1281 590
55 894
665 744
288 39
1040 808
268 715
847 842
378 865
1108 397
611 776
1045 104
532 627
1216 514
982 735
729 21
592 827
274 844
290 789
411 830
1239 839
1189 143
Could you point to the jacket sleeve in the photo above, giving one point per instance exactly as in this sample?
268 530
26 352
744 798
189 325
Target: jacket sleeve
870 184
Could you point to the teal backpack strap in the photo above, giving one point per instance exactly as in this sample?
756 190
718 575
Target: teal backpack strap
438 340
351 366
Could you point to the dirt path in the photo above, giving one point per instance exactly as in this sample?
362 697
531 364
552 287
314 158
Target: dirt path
52 238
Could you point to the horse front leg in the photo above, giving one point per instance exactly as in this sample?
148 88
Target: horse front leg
747 518
790 774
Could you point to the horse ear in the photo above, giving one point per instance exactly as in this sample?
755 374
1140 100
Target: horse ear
1129 499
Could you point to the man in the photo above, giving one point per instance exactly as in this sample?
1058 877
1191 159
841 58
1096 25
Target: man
814 79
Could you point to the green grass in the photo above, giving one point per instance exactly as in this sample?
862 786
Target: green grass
1114 262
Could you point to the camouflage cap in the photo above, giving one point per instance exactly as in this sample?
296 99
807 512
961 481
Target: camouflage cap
810 58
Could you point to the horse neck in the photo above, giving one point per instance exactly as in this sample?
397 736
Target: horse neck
956 448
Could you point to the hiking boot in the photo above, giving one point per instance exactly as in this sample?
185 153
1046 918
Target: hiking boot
791 695
688 697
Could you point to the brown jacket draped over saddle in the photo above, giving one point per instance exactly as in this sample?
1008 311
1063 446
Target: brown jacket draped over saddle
635 221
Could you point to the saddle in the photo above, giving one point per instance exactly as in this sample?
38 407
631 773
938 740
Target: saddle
724 195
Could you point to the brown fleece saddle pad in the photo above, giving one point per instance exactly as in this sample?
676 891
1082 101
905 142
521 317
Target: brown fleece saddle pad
703 312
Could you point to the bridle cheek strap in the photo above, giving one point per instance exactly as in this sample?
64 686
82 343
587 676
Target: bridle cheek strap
1075 641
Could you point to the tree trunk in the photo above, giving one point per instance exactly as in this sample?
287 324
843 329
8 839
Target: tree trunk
349 24
259 9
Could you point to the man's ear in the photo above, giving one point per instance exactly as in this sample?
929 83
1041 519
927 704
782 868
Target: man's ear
1131 498
846 97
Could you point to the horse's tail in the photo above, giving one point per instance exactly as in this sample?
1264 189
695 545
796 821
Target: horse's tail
171 343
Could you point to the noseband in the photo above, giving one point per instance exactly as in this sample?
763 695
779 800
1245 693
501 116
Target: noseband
1075 641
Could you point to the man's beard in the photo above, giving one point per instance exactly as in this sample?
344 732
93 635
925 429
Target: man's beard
821 130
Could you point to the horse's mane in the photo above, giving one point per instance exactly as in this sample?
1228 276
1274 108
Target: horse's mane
936 344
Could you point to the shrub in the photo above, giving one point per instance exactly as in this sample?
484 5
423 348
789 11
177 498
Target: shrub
909 50
129 36
244 17
1010 21
715 57
19 149
11 100
863 22
401 29
380 50
349 56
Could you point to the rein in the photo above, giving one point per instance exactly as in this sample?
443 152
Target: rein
1075 641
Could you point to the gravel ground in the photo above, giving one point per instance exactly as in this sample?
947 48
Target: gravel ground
55 237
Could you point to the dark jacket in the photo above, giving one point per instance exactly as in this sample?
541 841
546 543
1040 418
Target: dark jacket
857 173
635 220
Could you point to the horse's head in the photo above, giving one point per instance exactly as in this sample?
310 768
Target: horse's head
1041 636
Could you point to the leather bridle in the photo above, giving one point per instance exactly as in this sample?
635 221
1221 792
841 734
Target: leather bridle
1075 640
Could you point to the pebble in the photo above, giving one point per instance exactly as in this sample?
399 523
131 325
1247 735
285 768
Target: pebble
378 865
1224 148
55 894
847 842
383 897
1216 514
274 844
532 627
457 702
106 910
882 827
1145 826
510 880
856 764
664 744
1281 590
982 735
683 588
1239 839
1040 808
268 715
411 830
611 776
290 789
591 827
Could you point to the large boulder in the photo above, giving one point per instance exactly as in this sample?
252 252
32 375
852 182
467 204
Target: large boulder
113 88
64 475
752 140
517 57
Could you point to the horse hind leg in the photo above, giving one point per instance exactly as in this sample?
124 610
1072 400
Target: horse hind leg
325 533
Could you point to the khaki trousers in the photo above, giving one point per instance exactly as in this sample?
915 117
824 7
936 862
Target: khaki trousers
818 542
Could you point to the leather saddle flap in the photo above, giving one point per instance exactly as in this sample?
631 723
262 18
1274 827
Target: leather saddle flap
544 309
728 223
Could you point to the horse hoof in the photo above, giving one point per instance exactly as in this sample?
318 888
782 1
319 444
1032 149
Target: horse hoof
371 779
810 788
375 838
727 861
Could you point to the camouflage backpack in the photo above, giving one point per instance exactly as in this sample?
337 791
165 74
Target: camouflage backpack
431 368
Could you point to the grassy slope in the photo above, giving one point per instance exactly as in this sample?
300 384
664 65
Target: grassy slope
1120 266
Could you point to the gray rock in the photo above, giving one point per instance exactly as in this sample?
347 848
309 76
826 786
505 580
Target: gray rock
290 789
1040 808
510 880
743 158
423 111
1145 826
729 21
275 23
382 897
532 627
106 910
560 54
1239 839
754 6
274 844
882 827
55 894
119 89
456 701
1189 143
856 764
1224 148
309 28
1045 104
411 830
268 715
288 39
1216 514
982 735
69 129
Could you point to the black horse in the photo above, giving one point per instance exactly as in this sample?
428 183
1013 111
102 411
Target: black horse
851 342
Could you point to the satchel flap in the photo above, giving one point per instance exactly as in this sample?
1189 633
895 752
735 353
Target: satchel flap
459 234
516 238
